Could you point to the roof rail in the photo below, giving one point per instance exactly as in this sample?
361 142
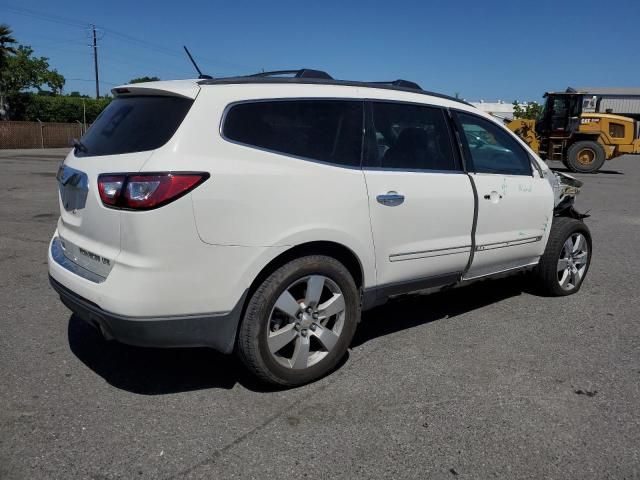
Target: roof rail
400 83
309 76
301 73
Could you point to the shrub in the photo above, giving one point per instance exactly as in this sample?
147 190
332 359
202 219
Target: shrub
56 108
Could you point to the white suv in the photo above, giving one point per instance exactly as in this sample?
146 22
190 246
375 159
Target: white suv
261 214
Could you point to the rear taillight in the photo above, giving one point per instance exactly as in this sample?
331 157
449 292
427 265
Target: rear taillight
110 188
145 191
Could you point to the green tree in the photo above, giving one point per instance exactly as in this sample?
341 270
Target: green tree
144 79
529 110
7 49
23 71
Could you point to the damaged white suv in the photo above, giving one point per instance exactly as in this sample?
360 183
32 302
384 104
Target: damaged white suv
261 214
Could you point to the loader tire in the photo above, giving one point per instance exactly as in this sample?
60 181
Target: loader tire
585 157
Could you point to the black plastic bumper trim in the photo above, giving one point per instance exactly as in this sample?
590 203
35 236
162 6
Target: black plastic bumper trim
214 330
372 297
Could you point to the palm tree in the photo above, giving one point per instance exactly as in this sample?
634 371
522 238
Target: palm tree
6 41
6 48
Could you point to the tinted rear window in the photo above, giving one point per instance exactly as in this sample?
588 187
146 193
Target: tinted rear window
325 130
410 137
134 124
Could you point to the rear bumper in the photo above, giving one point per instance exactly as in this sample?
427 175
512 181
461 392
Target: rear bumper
214 330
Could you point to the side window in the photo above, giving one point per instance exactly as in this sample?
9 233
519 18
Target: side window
325 130
492 149
409 137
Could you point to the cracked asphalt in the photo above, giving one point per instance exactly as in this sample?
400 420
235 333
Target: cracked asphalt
480 382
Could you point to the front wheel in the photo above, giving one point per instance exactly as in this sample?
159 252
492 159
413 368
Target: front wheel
300 321
566 259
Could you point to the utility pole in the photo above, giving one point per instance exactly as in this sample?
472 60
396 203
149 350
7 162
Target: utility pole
95 60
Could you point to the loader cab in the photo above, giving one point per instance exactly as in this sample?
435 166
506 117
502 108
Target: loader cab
560 116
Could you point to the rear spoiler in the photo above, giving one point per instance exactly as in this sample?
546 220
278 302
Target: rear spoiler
175 88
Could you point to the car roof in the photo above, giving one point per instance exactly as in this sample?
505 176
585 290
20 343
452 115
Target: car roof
303 83
305 76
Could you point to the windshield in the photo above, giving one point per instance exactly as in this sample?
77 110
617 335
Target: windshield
134 124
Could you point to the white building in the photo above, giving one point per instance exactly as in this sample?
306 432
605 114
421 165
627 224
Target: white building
499 109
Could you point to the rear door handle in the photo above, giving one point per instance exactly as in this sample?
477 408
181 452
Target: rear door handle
390 199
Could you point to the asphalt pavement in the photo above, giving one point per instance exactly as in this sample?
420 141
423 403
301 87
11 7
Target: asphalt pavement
487 381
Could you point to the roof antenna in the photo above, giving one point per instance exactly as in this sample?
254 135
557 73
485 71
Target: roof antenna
200 74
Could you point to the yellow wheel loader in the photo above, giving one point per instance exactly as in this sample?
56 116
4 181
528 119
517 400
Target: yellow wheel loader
581 141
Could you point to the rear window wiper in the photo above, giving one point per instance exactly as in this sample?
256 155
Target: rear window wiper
78 145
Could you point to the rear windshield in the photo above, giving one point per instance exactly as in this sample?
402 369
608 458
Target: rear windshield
134 124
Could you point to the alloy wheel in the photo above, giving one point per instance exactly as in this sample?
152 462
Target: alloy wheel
573 261
306 322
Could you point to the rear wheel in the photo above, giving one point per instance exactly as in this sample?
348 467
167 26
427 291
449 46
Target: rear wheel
300 321
585 157
566 259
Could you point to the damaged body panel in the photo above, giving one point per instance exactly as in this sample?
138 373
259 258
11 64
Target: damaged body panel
565 188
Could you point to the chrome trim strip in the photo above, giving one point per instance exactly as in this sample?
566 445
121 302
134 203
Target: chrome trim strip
412 170
57 253
505 270
509 243
437 252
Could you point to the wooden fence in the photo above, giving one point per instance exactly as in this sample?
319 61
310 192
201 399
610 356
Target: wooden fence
38 134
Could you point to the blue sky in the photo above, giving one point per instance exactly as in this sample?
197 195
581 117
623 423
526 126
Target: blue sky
482 49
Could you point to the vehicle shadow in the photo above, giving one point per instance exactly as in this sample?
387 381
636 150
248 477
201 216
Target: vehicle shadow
158 371
414 310
154 371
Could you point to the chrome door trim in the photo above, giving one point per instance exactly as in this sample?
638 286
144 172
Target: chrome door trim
508 243
503 269
437 252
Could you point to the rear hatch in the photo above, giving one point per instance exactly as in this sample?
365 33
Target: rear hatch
138 121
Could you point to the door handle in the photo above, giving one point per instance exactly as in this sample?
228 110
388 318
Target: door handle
493 196
390 199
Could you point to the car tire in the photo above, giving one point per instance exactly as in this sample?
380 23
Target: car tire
289 316
585 157
564 265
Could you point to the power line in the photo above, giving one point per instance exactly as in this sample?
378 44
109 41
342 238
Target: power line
118 63
57 40
43 16
121 37
172 52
